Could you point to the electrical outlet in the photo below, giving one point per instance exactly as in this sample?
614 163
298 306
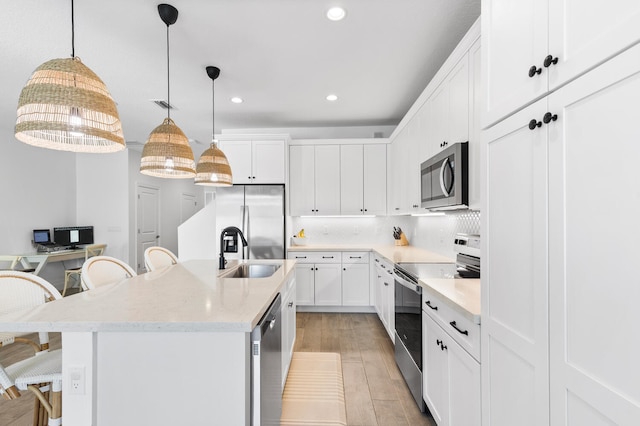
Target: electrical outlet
76 380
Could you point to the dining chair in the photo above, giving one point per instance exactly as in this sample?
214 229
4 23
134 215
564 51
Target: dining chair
101 270
41 373
75 273
158 257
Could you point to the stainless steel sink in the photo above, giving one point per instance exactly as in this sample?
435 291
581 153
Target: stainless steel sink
248 270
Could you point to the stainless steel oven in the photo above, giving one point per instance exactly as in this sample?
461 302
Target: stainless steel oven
408 323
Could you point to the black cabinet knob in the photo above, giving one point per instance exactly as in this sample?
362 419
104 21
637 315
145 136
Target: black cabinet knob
534 123
548 117
365 210
534 70
549 60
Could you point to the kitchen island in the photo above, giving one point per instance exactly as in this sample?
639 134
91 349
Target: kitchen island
164 348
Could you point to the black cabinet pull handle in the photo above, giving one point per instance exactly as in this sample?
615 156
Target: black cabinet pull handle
454 325
327 257
312 268
548 117
355 257
534 70
387 284
534 123
549 60
301 257
443 347
428 303
438 342
290 304
316 269
377 260
366 210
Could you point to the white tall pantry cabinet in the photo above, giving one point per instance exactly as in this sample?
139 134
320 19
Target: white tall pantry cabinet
562 197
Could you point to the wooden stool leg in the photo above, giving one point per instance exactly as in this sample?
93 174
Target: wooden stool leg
55 417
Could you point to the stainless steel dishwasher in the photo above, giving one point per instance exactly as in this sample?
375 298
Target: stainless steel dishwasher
266 368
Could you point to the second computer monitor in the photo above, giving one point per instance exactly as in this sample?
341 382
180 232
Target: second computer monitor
73 235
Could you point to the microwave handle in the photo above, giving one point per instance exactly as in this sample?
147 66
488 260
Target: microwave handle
442 170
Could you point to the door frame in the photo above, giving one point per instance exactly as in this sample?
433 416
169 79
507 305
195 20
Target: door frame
136 228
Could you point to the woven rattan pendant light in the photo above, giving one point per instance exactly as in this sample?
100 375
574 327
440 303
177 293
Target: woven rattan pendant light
167 153
65 106
213 167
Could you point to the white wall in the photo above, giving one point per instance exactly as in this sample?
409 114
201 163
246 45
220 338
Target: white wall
38 190
102 199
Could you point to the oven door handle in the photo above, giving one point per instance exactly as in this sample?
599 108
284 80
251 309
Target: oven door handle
408 284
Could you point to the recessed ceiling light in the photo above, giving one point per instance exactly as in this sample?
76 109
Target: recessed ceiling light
336 13
332 98
236 100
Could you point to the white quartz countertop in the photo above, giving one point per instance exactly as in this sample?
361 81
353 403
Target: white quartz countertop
462 294
393 253
188 296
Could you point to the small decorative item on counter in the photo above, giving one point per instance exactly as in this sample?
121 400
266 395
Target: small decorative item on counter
299 239
398 235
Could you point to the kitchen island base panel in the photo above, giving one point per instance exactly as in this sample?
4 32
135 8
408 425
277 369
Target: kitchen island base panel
135 378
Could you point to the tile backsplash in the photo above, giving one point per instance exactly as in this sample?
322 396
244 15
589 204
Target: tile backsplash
434 233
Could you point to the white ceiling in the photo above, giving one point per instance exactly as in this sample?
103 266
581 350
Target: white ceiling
281 56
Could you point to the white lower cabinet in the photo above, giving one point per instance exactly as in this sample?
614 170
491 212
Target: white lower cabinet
384 294
451 378
328 284
319 278
355 278
288 325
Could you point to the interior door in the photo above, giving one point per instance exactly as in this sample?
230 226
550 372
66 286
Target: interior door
188 206
148 222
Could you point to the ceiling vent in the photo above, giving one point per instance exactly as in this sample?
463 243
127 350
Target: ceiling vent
163 104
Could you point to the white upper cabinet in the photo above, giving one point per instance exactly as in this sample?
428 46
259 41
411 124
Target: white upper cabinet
351 179
314 180
302 193
327 179
255 161
363 179
375 179
575 35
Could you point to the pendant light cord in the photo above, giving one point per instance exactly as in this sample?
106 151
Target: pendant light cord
168 79
213 111
73 34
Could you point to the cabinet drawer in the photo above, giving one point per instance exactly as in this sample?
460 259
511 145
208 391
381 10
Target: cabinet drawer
461 329
349 257
316 256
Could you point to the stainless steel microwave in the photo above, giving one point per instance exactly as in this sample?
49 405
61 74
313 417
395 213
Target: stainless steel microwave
444 179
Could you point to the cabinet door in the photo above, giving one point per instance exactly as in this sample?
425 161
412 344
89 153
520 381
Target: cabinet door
328 284
375 179
514 38
288 329
583 35
351 179
435 366
301 180
355 284
458 116
464 387
327 179
389 302
395 177
595 349
267 159
239 155
514 296
475 144
305 289
440 112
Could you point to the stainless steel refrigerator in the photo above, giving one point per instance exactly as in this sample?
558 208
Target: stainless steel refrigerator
258 210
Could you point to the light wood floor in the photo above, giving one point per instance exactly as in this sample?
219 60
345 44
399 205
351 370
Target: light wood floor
376 394
375 391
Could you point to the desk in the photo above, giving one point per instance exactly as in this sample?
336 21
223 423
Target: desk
38 260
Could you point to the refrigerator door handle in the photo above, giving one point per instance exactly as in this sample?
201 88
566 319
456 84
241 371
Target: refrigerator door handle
246 230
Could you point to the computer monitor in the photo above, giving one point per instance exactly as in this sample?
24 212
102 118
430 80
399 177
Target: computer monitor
73 235
41 236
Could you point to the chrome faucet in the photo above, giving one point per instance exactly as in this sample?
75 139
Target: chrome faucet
234 232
